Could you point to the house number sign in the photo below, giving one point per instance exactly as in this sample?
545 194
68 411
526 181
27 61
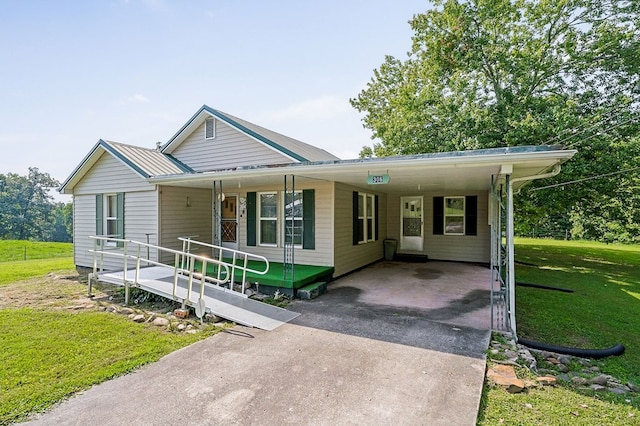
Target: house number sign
378 179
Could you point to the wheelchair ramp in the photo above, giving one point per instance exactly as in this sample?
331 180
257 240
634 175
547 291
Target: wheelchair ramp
218 300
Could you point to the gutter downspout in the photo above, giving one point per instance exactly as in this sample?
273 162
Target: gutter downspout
510 250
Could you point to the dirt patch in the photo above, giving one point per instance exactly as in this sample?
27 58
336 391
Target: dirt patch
67 291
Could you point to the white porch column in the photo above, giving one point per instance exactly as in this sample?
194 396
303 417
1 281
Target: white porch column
511 268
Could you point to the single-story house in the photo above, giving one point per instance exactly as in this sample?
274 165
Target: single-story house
235 184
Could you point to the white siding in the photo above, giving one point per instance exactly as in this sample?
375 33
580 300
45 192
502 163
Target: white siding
229 149
109 175
464 248
322 255
177 219
140 218
349 257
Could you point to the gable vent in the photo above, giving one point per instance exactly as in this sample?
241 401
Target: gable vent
210 128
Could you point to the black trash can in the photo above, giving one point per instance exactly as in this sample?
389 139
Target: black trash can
390 246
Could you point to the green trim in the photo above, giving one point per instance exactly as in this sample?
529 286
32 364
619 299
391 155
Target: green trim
99 214
251 218
238 126
438 215
122 158
258 136
120 217
471 215
308 219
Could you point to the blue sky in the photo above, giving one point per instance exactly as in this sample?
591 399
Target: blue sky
135 71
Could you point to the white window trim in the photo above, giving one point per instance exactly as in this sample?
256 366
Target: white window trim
106 218
362 198
213 123
445 215
260 219
286 218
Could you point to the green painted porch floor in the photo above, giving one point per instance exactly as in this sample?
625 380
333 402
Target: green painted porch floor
303 274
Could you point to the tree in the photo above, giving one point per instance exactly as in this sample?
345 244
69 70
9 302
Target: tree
25 205
492 73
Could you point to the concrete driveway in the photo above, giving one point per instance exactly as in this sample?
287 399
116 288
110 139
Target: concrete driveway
346 360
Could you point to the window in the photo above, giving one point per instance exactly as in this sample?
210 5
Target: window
262 218
210 128
454 215
293 217
110 215
268 218
365 224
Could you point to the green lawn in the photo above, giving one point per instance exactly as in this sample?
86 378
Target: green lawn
11 250
602 311
48 352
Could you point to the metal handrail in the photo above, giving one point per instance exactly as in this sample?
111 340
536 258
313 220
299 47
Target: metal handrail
234 254
98 263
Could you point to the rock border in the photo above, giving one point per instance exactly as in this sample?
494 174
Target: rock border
581 372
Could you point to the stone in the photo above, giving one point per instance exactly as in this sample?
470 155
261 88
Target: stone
510 354
505 376
562 368
111 309
181 327
212 318
546 354
564 359
249 292
138 318
130 316
563 377
126 311
577 380
632 387
598 388
553 360
618 391
601 380
160 322
547 380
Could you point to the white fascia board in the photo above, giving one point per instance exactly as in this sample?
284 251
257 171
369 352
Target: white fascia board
382 164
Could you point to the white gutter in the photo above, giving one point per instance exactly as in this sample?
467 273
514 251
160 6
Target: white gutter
510 250
375 164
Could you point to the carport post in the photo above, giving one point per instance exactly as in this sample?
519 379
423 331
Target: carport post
511 268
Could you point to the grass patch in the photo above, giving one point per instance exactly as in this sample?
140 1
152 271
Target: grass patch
20 270
50 352
49 355
13 250
601 312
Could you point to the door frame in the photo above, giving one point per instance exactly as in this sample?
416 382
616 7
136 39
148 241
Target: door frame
412 243
231 245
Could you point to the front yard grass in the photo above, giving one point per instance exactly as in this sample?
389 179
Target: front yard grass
50 348
602 311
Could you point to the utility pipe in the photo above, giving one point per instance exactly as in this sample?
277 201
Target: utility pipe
511 269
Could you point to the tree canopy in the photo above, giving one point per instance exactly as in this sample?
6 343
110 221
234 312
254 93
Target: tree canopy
491 73
27 211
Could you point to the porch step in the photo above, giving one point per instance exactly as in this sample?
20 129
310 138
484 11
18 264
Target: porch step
409 257
312 291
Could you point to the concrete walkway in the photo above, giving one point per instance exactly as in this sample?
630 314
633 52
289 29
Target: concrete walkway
343 361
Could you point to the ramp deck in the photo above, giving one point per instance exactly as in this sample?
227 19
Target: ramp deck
218 300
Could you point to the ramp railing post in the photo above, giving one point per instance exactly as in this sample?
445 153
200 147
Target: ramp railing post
124 274
175 274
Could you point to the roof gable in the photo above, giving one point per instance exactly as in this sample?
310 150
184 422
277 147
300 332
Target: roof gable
143 161
294 149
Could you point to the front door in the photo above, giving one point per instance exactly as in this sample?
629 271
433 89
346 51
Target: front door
411 210
229 222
